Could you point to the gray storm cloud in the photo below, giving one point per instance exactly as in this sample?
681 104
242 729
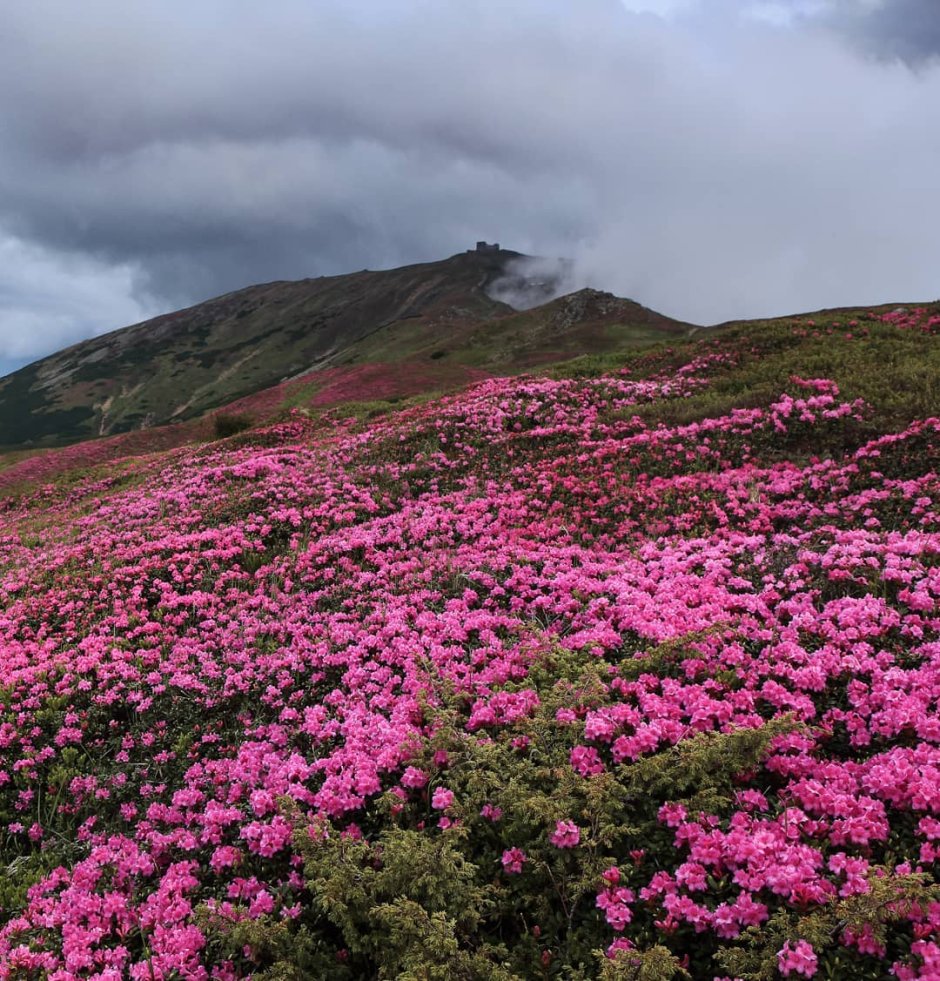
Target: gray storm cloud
891 29
709 162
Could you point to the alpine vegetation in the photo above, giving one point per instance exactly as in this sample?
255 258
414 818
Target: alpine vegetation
628 669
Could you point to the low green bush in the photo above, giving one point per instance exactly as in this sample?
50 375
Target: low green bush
227 424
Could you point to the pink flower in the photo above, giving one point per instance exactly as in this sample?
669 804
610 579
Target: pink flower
513 859
672 814
442 799
566 834
491 812
621 943
261 904
586 761
615 902
414 778
799 958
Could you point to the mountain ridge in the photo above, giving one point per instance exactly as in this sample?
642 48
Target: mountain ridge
181 364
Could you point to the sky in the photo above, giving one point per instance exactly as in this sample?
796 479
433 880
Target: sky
712 159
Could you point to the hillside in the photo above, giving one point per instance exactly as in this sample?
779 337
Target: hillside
627 669
587 321
176 367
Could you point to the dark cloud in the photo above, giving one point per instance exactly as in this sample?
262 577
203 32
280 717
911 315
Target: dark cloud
48 300
904 29
704 162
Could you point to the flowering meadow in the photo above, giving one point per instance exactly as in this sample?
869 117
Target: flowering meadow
619 675
365 384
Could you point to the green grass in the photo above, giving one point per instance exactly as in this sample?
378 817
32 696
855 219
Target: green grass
898 371
511 343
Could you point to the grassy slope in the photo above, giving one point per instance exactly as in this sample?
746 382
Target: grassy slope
897 371
180 365
362 389
563 328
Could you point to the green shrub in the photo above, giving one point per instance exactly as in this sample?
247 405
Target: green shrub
403 897
417 892
227 424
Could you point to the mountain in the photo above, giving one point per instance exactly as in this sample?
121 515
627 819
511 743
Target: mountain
587 321
178 366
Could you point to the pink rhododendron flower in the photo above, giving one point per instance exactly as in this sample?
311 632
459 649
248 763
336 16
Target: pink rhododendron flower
566 834
513 860
621 943
586 761
797 958
442 798
413 777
